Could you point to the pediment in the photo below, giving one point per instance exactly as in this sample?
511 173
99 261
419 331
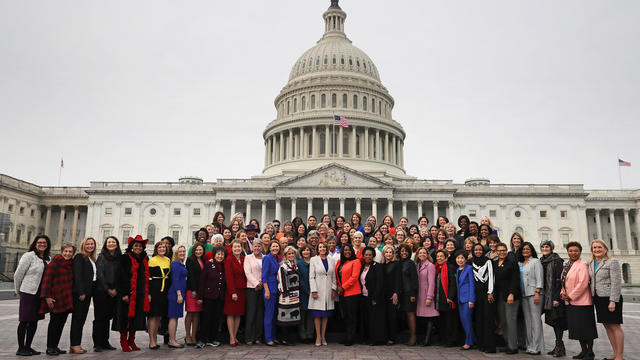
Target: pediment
334 176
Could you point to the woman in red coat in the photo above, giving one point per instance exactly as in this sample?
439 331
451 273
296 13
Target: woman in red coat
234 302
57 298
348 280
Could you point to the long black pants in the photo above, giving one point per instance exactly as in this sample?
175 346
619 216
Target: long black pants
210 319
372 321
54 332
448 327
80 311
255 315
391 319
485 316
103 308
350 316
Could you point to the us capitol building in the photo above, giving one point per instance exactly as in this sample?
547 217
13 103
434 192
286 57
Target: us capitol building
310 167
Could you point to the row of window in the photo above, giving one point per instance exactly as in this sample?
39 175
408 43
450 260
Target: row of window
366 66
128 211
518 213
365 104
151 234
21 210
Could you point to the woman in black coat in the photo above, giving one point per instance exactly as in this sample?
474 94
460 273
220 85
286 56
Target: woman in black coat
508 295
372 306
133 293
552 305
446 299
104 298
391 290
84 282
409 292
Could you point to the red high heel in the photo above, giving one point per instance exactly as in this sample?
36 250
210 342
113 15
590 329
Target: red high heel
123 342
131 341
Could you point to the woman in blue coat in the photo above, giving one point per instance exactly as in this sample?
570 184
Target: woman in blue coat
466 296
270 268
177 293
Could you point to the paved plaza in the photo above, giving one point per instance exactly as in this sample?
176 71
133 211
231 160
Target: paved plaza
9 321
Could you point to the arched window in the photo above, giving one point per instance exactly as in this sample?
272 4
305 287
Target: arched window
322 142
313 101
364 103
151 233
288 105
358 63
344 101
334 100
342 61
380 107
364 64
350 62
373 105
323 101
317 61
355 101
310 62
334 60
310 144
325 60
295 105
304 103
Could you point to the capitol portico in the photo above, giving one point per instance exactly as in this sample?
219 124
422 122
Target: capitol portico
314 168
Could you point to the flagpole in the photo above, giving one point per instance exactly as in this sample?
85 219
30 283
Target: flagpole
620 173
333 130
60 171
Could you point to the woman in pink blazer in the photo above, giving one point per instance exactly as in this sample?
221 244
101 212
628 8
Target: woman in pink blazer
576 294
426 308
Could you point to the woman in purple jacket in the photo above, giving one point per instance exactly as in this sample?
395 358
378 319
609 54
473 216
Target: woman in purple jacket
211 296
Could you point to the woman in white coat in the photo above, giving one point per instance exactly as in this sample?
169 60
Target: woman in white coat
322 283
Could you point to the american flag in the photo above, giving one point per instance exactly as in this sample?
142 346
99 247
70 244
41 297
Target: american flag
623 163
340 121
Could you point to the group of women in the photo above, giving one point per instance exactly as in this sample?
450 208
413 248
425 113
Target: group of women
457 285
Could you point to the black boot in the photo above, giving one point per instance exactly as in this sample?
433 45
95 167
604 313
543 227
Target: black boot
560 350
553 351
427 337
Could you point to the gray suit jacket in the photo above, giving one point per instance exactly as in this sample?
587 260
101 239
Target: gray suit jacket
533 275
607 280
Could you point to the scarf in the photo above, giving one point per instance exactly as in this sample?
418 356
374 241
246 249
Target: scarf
287 269
565 269
444 280
134 285
547 263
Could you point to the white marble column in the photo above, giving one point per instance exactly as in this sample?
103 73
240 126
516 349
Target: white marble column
340 141
117 213
325 206
327 142
435 213
290 145
60 228
386 147
614 236
314 142
303 143
309 207
365 143
359 205
450 212
74 226
374 208
352 147
266 153
293 207
377 145
420 212
278 210
390 207
47 221
233 207
342 206
404 207
248 211
394 156
263 214
627 230
598 225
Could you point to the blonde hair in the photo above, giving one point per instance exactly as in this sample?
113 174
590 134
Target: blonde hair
240 219
290 248
415 256
81 250
393 251
175 253
604 244
450 225
389 236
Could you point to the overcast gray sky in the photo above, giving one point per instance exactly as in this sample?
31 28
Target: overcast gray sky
515 91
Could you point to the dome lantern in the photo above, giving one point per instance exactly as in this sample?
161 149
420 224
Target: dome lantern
334 22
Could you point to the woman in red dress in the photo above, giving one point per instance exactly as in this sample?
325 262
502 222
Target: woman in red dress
234 302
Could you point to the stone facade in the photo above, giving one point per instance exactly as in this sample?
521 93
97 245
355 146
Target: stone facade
306 173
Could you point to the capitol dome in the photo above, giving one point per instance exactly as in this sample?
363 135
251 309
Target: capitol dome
334 78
